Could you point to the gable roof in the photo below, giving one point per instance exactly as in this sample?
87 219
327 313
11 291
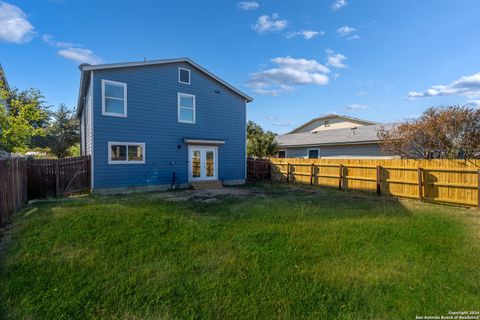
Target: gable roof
358 135
333 115
85 70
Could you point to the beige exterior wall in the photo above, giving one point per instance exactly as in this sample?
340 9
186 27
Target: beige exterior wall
335 123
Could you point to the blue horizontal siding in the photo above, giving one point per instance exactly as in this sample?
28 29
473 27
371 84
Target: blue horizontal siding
152 118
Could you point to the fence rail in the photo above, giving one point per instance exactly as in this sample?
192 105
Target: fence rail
443 181
13 187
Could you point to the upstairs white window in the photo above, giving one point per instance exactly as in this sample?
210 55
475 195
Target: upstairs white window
186 108
114 98
183 75
126 152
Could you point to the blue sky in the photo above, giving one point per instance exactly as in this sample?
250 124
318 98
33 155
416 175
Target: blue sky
378 60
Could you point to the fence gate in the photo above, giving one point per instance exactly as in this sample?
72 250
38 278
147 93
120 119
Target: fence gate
63 177
258 170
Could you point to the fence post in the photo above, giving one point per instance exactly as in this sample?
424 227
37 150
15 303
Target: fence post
288 172
479 188
340 177
379 180
420 183
312 171
57 178
254 170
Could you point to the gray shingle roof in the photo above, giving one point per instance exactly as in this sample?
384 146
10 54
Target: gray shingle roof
362 134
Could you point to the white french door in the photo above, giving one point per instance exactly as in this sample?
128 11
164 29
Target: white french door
202 163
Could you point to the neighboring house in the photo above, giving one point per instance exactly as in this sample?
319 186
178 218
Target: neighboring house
332 136
152 124
331 121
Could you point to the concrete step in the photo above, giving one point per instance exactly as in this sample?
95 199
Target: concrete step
201 185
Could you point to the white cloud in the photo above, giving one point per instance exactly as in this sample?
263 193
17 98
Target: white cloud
411 117
356 107
362 93
339 4
335 59
72 51
80 55
266 24
307 34
345 31
283 124
468 86
473 103
14 25
248 5
287 75
49 39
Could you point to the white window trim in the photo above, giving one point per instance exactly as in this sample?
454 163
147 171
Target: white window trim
142 144
189 75
179 107
278 151
308 153
111 114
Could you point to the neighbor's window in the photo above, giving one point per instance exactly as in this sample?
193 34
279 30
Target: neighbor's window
186 108
313 153
282 154
114 98
327 123
183 75
125 152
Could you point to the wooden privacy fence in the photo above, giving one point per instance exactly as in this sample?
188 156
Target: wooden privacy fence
63 177
444 181
22 179
258 170
13 187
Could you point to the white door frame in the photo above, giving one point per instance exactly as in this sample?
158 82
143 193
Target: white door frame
203 149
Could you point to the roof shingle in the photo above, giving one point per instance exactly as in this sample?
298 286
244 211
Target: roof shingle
361 134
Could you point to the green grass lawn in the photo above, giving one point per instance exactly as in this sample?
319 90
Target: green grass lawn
275 252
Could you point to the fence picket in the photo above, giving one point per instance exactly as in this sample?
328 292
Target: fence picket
13 186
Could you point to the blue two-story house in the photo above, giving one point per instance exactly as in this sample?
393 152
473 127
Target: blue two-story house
153 124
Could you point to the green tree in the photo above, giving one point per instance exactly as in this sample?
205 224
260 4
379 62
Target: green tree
63 132
260 144
21 118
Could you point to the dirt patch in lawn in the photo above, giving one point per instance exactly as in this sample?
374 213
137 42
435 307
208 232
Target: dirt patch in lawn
207 195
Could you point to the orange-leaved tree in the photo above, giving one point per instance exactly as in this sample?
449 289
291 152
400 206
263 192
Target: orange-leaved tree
444 132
